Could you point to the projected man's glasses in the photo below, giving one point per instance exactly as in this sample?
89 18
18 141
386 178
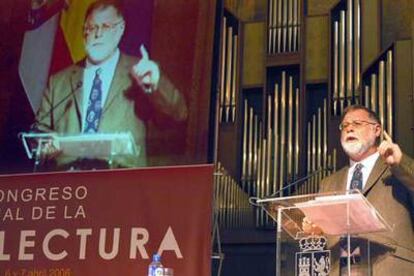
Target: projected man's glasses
104 27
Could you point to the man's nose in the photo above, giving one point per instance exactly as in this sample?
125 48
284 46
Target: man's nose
99 31
349 128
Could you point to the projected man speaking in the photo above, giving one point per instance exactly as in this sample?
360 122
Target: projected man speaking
108 91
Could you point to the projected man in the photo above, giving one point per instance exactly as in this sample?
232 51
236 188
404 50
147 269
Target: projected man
108 91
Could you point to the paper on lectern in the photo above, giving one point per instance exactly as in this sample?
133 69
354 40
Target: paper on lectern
342 214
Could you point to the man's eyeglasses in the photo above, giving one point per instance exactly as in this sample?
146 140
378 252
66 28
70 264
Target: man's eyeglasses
355 124
104 27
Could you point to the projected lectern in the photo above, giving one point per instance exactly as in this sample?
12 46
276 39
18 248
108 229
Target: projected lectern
107 147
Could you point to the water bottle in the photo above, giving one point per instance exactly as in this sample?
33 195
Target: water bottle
155 268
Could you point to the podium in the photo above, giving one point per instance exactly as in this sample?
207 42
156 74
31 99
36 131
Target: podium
335 214
107 147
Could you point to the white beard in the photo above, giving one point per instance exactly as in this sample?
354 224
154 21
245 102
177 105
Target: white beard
356 148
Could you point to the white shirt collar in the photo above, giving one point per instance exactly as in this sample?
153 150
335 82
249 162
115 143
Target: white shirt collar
367 165
368 162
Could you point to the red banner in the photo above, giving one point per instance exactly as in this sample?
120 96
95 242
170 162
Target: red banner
106 222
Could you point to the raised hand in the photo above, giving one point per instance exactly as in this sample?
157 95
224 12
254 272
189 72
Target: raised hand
146 72
389 151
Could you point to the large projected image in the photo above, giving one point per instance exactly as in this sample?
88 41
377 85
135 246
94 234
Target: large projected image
116 84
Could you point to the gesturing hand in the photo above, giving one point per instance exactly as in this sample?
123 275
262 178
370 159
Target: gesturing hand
146 72
389 151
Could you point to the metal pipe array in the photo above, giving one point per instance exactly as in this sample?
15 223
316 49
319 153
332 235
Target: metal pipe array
231 203
346 57
318 158
378 91
228 72
270 146
284 21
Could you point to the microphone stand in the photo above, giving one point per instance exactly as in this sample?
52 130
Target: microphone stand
34 127
64 99
253 200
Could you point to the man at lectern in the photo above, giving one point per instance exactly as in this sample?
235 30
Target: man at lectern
107 92
385 176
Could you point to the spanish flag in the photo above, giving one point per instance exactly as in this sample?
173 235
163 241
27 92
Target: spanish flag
53 41
69 47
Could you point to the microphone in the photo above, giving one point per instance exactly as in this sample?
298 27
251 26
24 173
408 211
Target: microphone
79 84
306 177
36 135
253 200
74 89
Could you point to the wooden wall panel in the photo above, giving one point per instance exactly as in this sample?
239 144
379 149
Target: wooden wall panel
253 54
404 117
370 32
318 7
247 10
396 20
317 48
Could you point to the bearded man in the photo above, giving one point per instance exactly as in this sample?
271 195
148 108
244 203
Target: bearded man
385 177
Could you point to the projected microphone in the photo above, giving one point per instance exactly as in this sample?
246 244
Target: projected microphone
36 136
253 200
74 89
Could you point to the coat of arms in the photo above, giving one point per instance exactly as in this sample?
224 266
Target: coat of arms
313 260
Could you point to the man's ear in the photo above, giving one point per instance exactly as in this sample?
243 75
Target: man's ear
122 27
378 130
121 31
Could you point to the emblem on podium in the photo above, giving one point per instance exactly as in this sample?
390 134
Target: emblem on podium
313 260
